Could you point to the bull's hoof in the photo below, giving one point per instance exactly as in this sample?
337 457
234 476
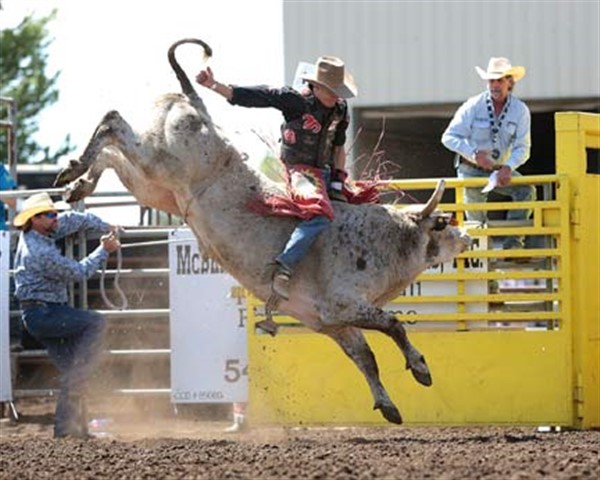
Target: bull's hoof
268 326
72 195
70 173
78 190
420 372
390 413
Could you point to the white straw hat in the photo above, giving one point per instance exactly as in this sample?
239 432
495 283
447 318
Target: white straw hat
37 203
499 67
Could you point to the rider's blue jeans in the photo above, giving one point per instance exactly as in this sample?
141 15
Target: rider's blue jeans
74 340
304 235
302 238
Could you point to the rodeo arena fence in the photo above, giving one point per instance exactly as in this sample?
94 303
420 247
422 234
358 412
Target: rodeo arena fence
511 336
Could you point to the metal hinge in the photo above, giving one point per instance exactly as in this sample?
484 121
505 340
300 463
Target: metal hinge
578 396
575 216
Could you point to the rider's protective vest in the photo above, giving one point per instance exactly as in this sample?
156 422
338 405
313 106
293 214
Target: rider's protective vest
308 139
310 129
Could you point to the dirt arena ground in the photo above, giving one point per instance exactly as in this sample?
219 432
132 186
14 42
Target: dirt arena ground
179 447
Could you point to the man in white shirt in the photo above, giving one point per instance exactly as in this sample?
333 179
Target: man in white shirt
490 134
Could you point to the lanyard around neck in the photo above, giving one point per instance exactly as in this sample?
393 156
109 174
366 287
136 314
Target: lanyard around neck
496 123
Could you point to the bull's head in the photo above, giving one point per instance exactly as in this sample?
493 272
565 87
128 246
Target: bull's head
446 238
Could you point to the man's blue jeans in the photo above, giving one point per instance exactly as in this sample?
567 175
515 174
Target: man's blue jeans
518 193
74 340
302 238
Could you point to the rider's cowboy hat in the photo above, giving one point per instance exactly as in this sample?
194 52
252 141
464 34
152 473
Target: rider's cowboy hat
330 73
499 67
37 203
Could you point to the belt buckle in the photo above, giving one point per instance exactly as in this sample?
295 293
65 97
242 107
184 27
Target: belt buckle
32 303
470 164
477 167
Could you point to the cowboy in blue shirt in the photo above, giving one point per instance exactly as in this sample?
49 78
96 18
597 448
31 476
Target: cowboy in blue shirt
72 336
490 134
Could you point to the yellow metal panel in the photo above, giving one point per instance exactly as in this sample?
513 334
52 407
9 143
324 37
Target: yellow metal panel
550 218
479 378
592 141
577 132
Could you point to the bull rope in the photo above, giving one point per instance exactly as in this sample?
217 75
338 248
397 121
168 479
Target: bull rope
123 298
124 302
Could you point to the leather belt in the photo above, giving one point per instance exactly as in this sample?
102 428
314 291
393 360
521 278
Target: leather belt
32 303
477 167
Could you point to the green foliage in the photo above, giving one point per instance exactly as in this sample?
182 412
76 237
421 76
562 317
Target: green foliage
23 62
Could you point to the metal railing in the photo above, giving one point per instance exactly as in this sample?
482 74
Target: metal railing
542 265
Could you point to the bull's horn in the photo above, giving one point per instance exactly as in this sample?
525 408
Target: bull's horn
435 198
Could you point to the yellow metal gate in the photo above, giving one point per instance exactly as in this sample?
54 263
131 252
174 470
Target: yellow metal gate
515 342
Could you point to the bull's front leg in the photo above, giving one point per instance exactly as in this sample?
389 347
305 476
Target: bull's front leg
366 316
354 344
373 318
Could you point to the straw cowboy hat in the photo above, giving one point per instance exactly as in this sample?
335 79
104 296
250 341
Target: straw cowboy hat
37 203
330 73
499 67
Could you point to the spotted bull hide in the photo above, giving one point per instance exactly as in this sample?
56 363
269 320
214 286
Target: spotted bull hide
183 164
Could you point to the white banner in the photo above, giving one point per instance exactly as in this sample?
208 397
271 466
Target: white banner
209 360
5 378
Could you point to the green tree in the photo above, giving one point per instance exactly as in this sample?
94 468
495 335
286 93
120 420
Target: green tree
23 78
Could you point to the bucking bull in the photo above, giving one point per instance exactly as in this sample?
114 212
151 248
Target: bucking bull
184 165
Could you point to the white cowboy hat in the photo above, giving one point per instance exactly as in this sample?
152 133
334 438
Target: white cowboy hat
499 67
37 203
330 73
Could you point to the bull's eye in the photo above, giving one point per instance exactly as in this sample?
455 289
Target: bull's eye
440 223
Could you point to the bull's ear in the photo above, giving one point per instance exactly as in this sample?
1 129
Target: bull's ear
414 217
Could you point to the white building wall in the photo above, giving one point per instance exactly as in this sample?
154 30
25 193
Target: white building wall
410 52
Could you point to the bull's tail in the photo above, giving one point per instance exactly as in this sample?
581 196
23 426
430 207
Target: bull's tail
186 86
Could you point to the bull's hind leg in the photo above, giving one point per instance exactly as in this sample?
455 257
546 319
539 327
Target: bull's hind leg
70 173
103 135
112 130
85 184
356 347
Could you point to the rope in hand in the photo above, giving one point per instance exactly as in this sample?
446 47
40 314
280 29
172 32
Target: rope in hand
124 302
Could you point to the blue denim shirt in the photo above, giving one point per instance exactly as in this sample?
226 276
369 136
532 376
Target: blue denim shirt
470 129
42 272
